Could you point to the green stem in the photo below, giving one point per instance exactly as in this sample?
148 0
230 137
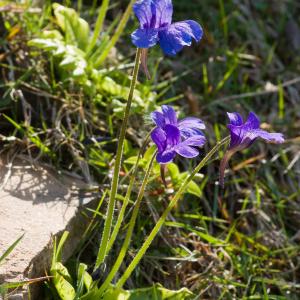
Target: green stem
127 197
128 236
162 219
99 25
79 6
117 167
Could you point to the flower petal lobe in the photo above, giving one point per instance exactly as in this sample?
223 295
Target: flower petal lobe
144 38
180 34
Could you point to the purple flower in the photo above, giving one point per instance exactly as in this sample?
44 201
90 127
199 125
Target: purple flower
243 136
155 17
174 137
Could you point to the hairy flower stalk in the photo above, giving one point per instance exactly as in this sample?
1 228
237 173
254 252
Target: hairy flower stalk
114 187
162 219
128 236
127 197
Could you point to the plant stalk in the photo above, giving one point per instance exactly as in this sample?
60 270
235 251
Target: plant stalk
127 197
114 187
129 232
163 217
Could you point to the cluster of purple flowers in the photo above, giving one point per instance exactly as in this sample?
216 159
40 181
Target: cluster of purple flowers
184 137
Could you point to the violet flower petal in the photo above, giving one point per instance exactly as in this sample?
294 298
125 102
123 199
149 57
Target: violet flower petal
241 137
166 156
180 34
162 11
169 114
235 119
159 138
158 118
186 151
277 138
186 148
189 132
252 122
198 141
156 16
173 137
144 38
172 134
143 12
191 122
153 13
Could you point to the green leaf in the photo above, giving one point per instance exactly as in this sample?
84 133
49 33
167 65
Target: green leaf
149 153
52 34
194 189
84 279
131 160
207 237
77 30
61 277
32 136
177 178
173 171
57 251
48 44
63 282
87 279
10 248
72 59
156 292
92 295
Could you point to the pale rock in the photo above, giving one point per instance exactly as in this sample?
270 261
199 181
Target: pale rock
40 204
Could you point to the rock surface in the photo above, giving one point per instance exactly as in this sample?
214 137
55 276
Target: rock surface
39 204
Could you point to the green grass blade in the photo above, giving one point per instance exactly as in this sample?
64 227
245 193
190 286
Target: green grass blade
281 104
99 24
60 245
116 35
10 248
